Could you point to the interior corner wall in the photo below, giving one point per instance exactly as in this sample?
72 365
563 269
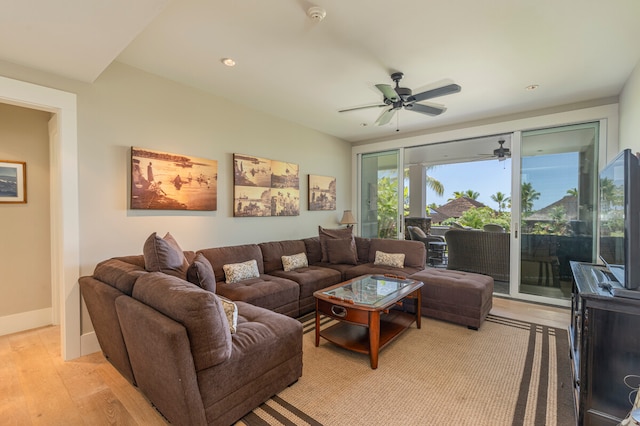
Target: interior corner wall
630 112
25 251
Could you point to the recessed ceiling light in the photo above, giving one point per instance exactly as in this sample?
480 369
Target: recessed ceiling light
228 62
363 124
532 87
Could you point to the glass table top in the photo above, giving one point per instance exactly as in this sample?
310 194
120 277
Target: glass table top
372 290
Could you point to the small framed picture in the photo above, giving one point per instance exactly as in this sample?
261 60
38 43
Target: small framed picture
13 181
322 192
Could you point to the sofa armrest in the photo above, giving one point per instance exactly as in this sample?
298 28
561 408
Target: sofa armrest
162 364
100 300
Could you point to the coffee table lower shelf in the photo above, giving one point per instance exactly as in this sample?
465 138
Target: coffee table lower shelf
355 337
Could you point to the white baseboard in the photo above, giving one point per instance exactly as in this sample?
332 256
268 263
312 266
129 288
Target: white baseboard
25 321
89 344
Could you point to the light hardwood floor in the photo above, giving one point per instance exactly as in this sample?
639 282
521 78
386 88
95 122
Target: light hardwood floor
38 388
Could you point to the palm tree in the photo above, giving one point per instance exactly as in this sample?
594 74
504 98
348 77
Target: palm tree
573 192
469 193
433 183
528 196
608 191
501 199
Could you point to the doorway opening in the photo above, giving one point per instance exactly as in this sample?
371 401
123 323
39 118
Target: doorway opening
65 257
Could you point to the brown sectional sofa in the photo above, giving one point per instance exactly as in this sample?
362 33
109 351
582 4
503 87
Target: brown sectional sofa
170 337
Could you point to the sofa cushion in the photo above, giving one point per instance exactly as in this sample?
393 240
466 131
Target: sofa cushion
389 259
327 234
198 310
461 297
220 256
231 310
362 247
235 272
295 261
200 273
314 250
136 259
273 251
415 252
265 342
269 292
118 274
164 255
342 250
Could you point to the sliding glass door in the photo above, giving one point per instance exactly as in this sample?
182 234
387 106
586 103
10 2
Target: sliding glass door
536 188
558 188
380 189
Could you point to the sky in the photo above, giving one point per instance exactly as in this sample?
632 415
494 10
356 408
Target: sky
550 175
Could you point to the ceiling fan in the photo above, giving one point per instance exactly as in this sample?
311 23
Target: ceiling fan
402 97
502 153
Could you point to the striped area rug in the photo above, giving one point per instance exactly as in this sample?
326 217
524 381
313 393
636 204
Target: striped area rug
508 373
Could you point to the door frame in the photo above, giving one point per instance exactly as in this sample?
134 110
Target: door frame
64 206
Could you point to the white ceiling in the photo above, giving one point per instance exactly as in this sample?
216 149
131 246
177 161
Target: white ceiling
304 71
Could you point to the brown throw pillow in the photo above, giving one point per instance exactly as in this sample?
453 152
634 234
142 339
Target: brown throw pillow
331 234
164 255
342 251
200 273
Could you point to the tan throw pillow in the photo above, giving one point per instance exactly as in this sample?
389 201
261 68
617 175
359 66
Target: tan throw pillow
419 232
235 272
295 261
332 234
342 251
389 259
200 273
164 255
231 310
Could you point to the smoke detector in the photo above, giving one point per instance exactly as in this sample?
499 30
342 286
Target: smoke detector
316 13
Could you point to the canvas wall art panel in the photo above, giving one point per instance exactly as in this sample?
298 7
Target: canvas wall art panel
322 192
13 181
165 181
264 187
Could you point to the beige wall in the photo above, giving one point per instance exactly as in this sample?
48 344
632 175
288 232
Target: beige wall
25 271
630 112
126 107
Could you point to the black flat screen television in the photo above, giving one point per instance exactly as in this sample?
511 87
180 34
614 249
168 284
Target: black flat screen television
619 211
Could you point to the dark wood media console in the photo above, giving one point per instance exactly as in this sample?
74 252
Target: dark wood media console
604 345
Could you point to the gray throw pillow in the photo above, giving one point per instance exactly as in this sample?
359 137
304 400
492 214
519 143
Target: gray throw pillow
201 273
164 255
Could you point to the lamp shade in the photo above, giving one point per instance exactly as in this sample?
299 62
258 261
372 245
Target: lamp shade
347 218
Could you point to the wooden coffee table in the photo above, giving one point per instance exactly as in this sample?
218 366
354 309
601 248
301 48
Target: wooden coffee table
362 306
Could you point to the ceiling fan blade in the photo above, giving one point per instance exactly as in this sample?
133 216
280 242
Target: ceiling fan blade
385 117
425 109
434 93
388 92
362 107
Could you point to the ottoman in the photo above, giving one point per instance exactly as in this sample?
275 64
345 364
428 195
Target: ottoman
456 296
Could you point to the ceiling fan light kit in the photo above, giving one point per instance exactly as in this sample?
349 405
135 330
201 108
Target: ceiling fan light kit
402 97
502 153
